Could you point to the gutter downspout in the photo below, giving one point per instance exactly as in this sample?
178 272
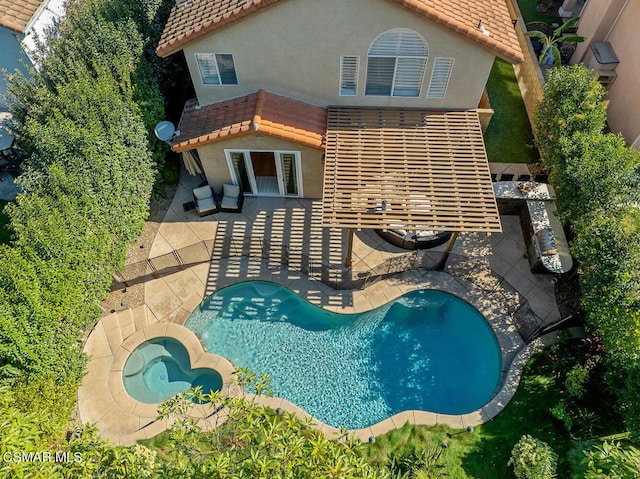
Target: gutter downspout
615 22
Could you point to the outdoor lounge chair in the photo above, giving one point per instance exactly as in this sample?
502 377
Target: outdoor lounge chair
206 203
232 198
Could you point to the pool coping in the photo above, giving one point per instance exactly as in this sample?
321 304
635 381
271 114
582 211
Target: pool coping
493 305
514 355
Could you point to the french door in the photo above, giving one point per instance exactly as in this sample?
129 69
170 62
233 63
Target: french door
266 173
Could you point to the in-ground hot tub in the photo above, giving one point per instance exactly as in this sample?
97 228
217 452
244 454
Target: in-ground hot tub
160 368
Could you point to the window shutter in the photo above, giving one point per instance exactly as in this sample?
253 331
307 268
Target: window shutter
409 77
399 42
396 64
226 69
208 68
349 68
440 75
380 73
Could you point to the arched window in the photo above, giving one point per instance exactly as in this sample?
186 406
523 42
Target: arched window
396 64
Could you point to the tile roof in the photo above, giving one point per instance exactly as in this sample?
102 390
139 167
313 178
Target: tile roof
261 112
191 19
16 14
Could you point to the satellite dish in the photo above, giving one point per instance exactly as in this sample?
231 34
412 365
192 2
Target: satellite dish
165 130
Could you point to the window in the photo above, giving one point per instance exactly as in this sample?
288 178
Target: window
396 64
349 69
440 77
216 68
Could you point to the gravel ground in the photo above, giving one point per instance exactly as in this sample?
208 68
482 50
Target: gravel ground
119 299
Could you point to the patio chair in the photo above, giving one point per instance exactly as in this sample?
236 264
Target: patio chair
232 199
205 201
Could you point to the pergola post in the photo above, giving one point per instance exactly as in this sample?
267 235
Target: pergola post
349 260
447 251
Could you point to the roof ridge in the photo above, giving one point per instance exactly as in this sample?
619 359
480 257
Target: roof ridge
273 114
200 17
257 117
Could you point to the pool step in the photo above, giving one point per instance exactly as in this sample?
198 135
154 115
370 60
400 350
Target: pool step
119 326
127 324
140 317
112 330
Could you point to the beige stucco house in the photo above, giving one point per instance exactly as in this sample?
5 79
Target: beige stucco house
611 27
270 75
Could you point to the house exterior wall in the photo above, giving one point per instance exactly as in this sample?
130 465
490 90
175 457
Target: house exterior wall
616 21
294 48
595 21
624 103
214 161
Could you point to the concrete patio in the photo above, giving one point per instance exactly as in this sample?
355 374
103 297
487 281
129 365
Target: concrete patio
289 231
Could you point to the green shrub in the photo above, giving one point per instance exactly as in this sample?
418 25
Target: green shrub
612 461
595 176
533 459
576 379
171 170
560 412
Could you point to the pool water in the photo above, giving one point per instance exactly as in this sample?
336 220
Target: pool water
160 368
426 350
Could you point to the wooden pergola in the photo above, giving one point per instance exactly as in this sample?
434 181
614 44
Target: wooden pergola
403 168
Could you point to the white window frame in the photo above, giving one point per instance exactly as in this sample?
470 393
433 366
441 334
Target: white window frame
397 59
214 58
439 92
356 74
278 159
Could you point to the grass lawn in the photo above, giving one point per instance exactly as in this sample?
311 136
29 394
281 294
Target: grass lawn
484 453
4 224
508 138
531 14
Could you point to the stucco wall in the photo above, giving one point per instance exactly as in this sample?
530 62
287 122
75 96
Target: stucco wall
624 101
216 168
595 21
293 48
601 21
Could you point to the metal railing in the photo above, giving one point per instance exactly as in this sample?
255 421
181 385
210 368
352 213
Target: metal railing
529 326
337 277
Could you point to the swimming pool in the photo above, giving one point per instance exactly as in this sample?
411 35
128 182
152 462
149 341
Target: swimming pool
426 350
160 368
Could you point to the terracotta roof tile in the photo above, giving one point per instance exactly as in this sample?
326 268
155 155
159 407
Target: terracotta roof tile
262 112
192 19
16 14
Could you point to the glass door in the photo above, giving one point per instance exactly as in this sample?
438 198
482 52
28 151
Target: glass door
266 173
265 170
288 173
241 171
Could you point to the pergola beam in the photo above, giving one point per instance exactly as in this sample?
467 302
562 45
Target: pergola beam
403 168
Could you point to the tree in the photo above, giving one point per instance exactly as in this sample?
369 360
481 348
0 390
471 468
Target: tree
550 43
85 191
533 459
595 176
246 440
